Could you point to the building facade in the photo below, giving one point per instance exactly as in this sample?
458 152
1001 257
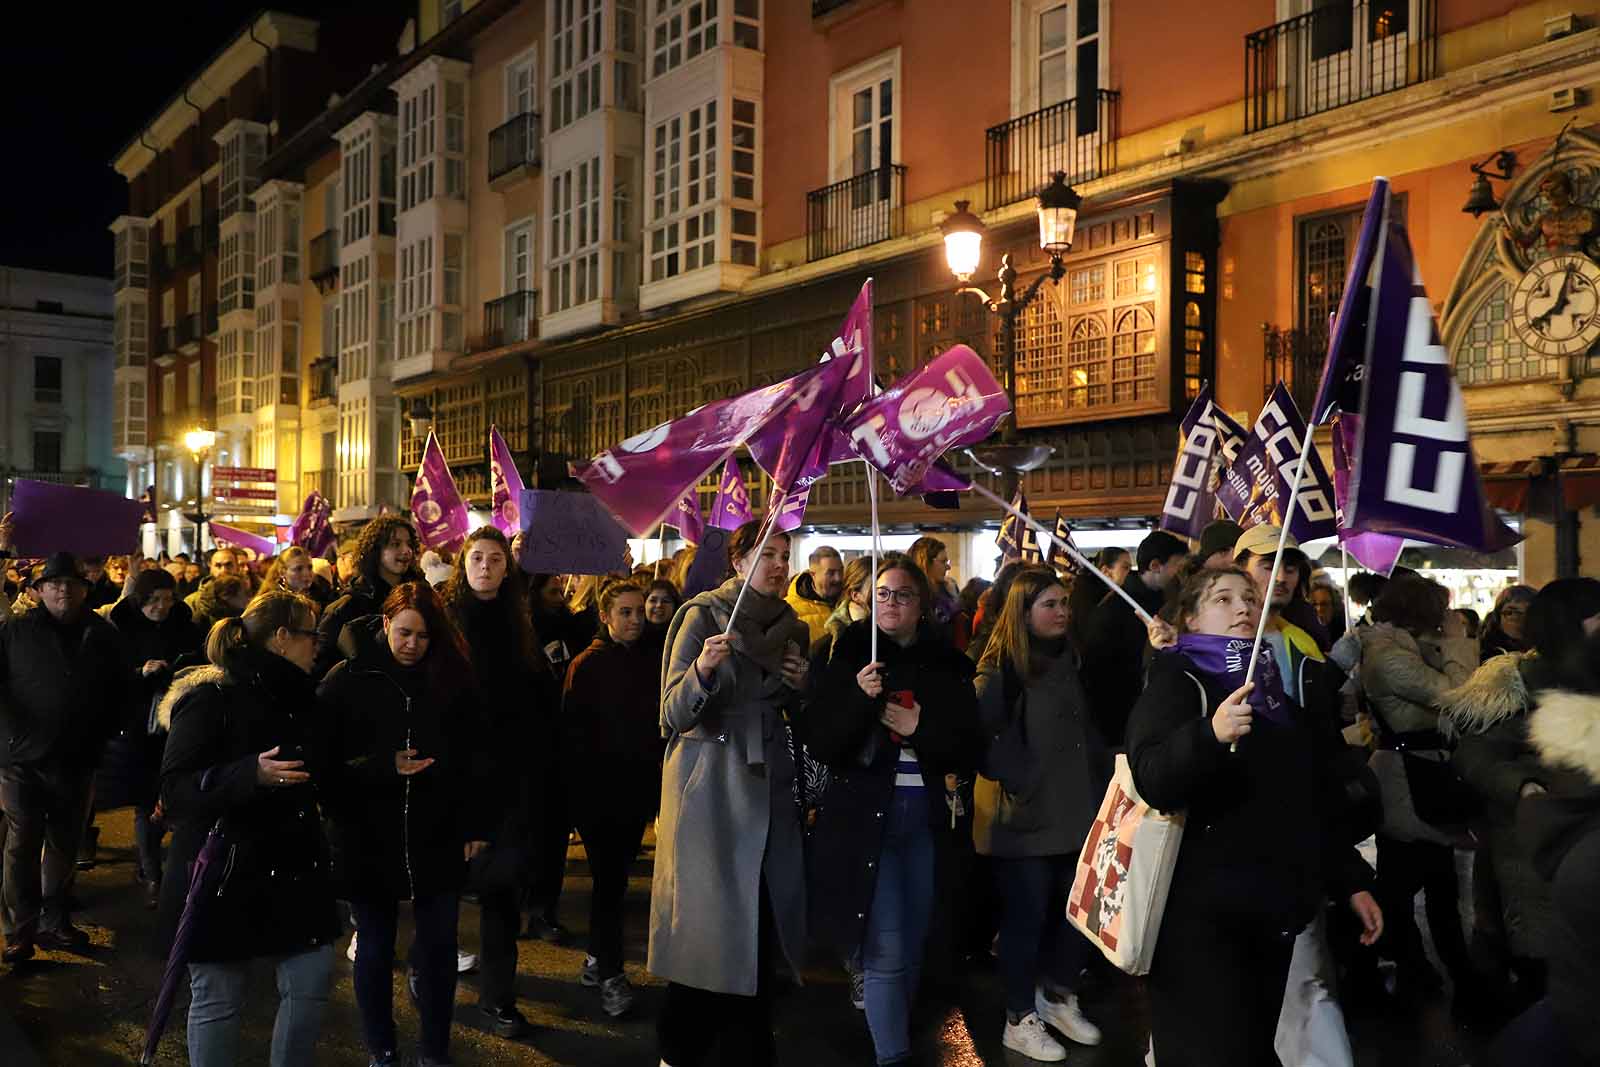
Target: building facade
55 363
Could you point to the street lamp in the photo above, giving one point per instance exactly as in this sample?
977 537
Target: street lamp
420 416
199 442
1057 209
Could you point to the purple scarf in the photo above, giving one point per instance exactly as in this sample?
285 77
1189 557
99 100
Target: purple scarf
1225 659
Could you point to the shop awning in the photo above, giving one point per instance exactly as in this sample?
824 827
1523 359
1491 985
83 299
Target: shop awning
1580 481
1508 484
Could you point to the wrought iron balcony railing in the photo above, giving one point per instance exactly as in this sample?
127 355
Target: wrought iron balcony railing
1078 137
510 319
514 145
324 255
1336 54
324 373
1293 357
857 212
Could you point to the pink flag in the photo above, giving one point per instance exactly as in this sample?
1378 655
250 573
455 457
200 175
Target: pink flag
263 547
793 447
731 509
952 402
642 478
506 482
686 518
440 514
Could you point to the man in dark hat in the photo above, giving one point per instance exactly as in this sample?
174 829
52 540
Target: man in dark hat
61 681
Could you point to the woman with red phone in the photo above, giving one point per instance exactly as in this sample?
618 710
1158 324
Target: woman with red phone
890 729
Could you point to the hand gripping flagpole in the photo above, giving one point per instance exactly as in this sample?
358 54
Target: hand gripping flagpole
1069 548
766 532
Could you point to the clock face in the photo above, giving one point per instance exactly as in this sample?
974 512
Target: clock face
1556 307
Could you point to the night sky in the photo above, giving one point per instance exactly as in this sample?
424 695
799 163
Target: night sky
76 84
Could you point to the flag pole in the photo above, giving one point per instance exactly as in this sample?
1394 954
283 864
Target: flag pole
872 575
1344 564
767 527
1068 548
661 548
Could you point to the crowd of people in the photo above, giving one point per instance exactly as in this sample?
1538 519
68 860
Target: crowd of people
333 744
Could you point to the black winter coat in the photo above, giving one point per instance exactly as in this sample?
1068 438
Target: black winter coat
130 774
62 688
611 742
1264 841
841 729
1115 643
400 837
275 895
364 598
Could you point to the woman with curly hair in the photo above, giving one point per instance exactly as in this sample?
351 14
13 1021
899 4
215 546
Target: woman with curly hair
386 556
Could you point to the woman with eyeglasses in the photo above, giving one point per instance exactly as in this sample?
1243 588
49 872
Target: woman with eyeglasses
411 809
1506 628
244 755
889 729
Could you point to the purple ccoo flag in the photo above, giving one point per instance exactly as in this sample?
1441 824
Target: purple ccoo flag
1059 558
313 529
731 509
1208 441
506 483
686 518
1375 551
1015 539
440 514
1256 486
1413 473
952 402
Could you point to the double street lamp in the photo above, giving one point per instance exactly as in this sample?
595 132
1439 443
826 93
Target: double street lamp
199 442
1057 209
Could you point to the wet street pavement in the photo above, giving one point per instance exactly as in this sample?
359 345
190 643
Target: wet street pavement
87 1011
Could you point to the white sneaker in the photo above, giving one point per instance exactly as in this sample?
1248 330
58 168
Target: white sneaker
466 962
1030 1038
350 953
1067 1016
589 977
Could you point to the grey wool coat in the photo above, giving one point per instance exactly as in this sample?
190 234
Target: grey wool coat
728 811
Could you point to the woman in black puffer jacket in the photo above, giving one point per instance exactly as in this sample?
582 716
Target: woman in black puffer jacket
410 812
244 754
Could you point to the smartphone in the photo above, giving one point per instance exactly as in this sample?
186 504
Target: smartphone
904 698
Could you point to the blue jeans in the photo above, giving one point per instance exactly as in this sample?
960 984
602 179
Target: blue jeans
432 956
897 924
1037 944
217 992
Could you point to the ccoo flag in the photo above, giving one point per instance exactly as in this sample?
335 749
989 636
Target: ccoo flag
1256 485
1060 559
1208 441
506 485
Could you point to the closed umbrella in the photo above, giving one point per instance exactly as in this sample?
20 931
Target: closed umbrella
201 881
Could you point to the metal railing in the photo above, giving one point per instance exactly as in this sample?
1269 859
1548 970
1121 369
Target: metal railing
514 144
1078 137
324 255
857 212
324 372
1293 357
510 319
1334 55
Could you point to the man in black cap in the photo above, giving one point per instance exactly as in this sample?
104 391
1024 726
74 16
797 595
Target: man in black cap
61 682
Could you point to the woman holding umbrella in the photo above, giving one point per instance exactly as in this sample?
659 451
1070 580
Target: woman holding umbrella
242 769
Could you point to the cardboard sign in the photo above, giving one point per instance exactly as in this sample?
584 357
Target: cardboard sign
569 533
69 518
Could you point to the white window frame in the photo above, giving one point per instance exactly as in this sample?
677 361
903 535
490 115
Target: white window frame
1349 72
574 209
527 225
1025 50
515 66
842 88
680 179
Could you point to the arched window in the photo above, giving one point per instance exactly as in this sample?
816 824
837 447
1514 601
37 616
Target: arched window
1086 362
1133 355
1490 350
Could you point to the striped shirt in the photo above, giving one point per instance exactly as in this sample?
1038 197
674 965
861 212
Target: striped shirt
907 771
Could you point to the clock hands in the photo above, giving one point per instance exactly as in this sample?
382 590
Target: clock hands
1562 298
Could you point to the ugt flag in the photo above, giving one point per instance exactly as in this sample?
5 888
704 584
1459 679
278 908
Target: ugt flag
1413 473
506 485
437 507
1208 441
1256 486
731 509
686 517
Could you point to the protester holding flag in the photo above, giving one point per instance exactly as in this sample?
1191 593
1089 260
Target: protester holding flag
244 757
728 899
385 556
611 759
487 603
1261 846
410 810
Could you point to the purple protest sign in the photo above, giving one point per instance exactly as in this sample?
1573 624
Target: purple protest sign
1208 440
263 547
686 518
506 486
731 509
642 478
1413 472
53 518
312 529
1255 488
951 402
436 506
569 533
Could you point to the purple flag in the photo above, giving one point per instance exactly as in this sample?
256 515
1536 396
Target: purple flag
793 446
263 547
1208 441
506 483
1375 551
686 518
440 515
1015 539
731 509
642 478
1255 487
1059 558
855 337
313 529
952 402
1413 472
1340 387
793 515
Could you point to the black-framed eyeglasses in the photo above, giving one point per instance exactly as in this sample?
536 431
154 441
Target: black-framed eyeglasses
902 597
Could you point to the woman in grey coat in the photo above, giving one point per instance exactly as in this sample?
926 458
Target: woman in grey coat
728 899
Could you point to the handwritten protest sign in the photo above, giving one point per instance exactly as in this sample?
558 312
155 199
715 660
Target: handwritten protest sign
69 518
569 533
